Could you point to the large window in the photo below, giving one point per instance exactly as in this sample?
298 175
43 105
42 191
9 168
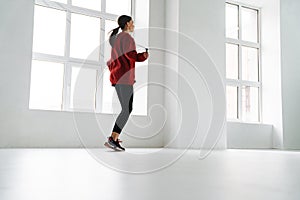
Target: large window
70 51
243 66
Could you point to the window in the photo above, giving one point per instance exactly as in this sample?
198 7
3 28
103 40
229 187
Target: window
243 66
70 51
46 85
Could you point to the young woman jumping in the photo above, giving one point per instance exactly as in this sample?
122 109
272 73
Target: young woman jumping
122 73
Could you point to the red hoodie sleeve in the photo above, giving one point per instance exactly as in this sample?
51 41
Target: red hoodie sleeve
129 50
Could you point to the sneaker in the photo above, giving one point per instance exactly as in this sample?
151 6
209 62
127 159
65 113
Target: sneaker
114 144
118 145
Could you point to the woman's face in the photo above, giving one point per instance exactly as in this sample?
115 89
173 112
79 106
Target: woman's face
130 26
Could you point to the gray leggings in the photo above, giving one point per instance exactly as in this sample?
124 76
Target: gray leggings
125 95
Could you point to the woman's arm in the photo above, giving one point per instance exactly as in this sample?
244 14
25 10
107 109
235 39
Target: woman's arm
138 57
129 50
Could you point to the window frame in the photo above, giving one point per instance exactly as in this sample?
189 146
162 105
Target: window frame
239 83
67 60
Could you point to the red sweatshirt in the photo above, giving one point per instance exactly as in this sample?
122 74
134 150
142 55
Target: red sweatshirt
122 61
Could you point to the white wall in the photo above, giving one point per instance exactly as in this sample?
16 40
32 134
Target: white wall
271 70
21 127
171 69
271 87
290 43
198 38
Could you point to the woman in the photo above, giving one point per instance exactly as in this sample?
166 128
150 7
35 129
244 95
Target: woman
122 73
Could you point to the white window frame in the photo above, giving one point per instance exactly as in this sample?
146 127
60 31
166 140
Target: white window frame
67 60
239 83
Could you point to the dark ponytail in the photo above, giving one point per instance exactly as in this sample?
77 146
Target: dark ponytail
113 36
122 21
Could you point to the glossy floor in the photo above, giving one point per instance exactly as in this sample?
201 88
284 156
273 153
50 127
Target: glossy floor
142 174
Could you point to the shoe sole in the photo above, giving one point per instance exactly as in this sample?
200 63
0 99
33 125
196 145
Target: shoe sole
111 147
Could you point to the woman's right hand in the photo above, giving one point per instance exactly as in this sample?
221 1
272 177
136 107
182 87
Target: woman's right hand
146 55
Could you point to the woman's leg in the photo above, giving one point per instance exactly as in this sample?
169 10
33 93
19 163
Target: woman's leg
125 95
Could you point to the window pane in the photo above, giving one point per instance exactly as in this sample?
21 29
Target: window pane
140 95
110 99
46 85
85 37
250 104
249 25
232 102
90 4
118 7
232 21
49 31
232 61
83 88
110 103
250 64
109 25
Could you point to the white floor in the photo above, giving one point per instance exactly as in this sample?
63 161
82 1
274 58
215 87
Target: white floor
96 174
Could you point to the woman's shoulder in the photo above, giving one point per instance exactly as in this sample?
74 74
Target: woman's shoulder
125 39
125 35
